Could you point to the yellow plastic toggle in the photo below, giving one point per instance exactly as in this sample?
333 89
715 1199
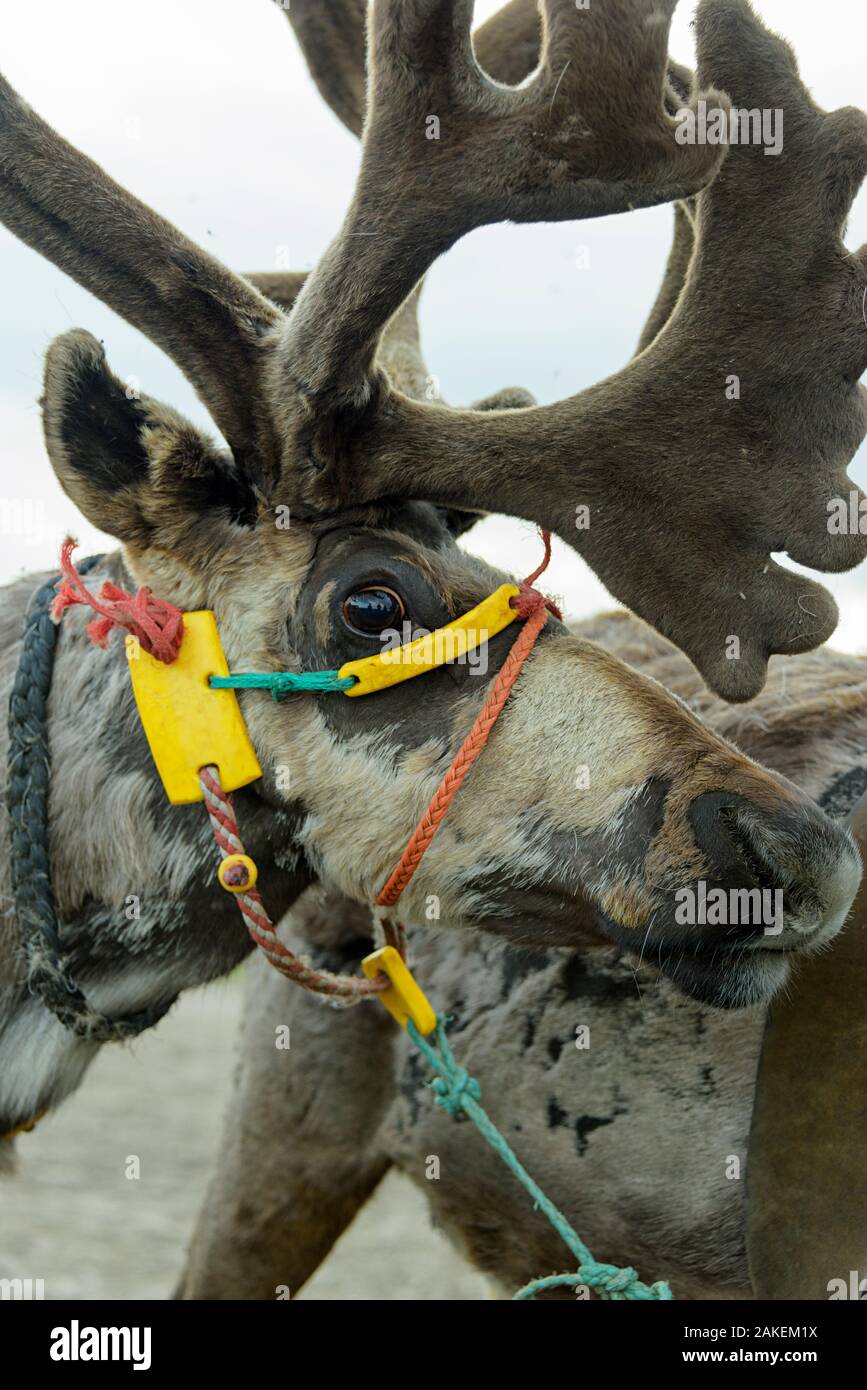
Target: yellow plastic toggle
237 873
404 1000
188 725
448 643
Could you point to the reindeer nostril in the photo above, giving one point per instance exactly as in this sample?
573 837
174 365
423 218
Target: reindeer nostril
782 854
743 841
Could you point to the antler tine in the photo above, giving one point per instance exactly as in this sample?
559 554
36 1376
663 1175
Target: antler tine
211 322
725 440
680 85
333 41
332 37
801 335
446 149
677 266
507 45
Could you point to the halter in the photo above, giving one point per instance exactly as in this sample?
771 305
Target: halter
190 714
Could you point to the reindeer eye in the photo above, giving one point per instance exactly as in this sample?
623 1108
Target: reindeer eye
373 610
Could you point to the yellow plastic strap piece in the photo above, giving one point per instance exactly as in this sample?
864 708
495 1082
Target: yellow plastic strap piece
445 644
188 725
404 1000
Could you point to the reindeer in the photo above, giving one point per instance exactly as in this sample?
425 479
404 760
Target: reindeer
315 385
633 1137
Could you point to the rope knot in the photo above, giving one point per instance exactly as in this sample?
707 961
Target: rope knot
450 1090
608 1279
530 600
157 625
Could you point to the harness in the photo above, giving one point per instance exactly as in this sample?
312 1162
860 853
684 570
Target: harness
190 714
187 702
28 781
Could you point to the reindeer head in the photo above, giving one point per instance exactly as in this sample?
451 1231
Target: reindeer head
600 799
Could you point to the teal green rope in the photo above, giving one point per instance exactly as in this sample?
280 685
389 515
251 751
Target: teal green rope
456 1090
282 683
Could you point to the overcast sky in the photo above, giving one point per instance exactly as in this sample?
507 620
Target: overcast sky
204 109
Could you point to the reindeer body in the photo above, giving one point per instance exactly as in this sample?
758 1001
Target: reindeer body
633 1137
317 386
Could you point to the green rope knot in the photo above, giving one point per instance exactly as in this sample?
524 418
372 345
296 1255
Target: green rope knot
609 1280
451 1089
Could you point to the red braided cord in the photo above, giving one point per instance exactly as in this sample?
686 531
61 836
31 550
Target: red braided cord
541 568
158 625
533 608
349 988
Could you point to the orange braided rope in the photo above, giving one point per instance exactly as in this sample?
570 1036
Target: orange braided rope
534 608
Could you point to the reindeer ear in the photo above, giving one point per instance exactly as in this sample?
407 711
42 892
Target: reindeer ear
135 468
459 521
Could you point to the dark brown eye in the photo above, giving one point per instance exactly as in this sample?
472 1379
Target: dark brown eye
373 610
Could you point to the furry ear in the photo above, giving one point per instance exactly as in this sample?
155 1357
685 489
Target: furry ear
135 468
459 521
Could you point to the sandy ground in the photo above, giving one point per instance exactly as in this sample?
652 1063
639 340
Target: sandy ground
73 1218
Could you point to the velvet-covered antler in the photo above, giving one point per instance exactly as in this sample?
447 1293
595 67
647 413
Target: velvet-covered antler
333 38
728 438
447 149
212 323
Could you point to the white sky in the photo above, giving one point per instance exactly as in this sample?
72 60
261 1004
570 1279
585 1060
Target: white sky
204 109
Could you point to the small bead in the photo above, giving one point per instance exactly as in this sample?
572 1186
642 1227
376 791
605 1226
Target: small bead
237 873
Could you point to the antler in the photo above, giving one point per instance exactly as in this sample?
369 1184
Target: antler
722 442
333 39
507 46
447 149
212 323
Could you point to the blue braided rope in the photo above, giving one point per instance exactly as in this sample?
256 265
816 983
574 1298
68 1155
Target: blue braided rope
456 1091
27 792
282 683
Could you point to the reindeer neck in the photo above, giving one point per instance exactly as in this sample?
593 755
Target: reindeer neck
135 878
140 913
